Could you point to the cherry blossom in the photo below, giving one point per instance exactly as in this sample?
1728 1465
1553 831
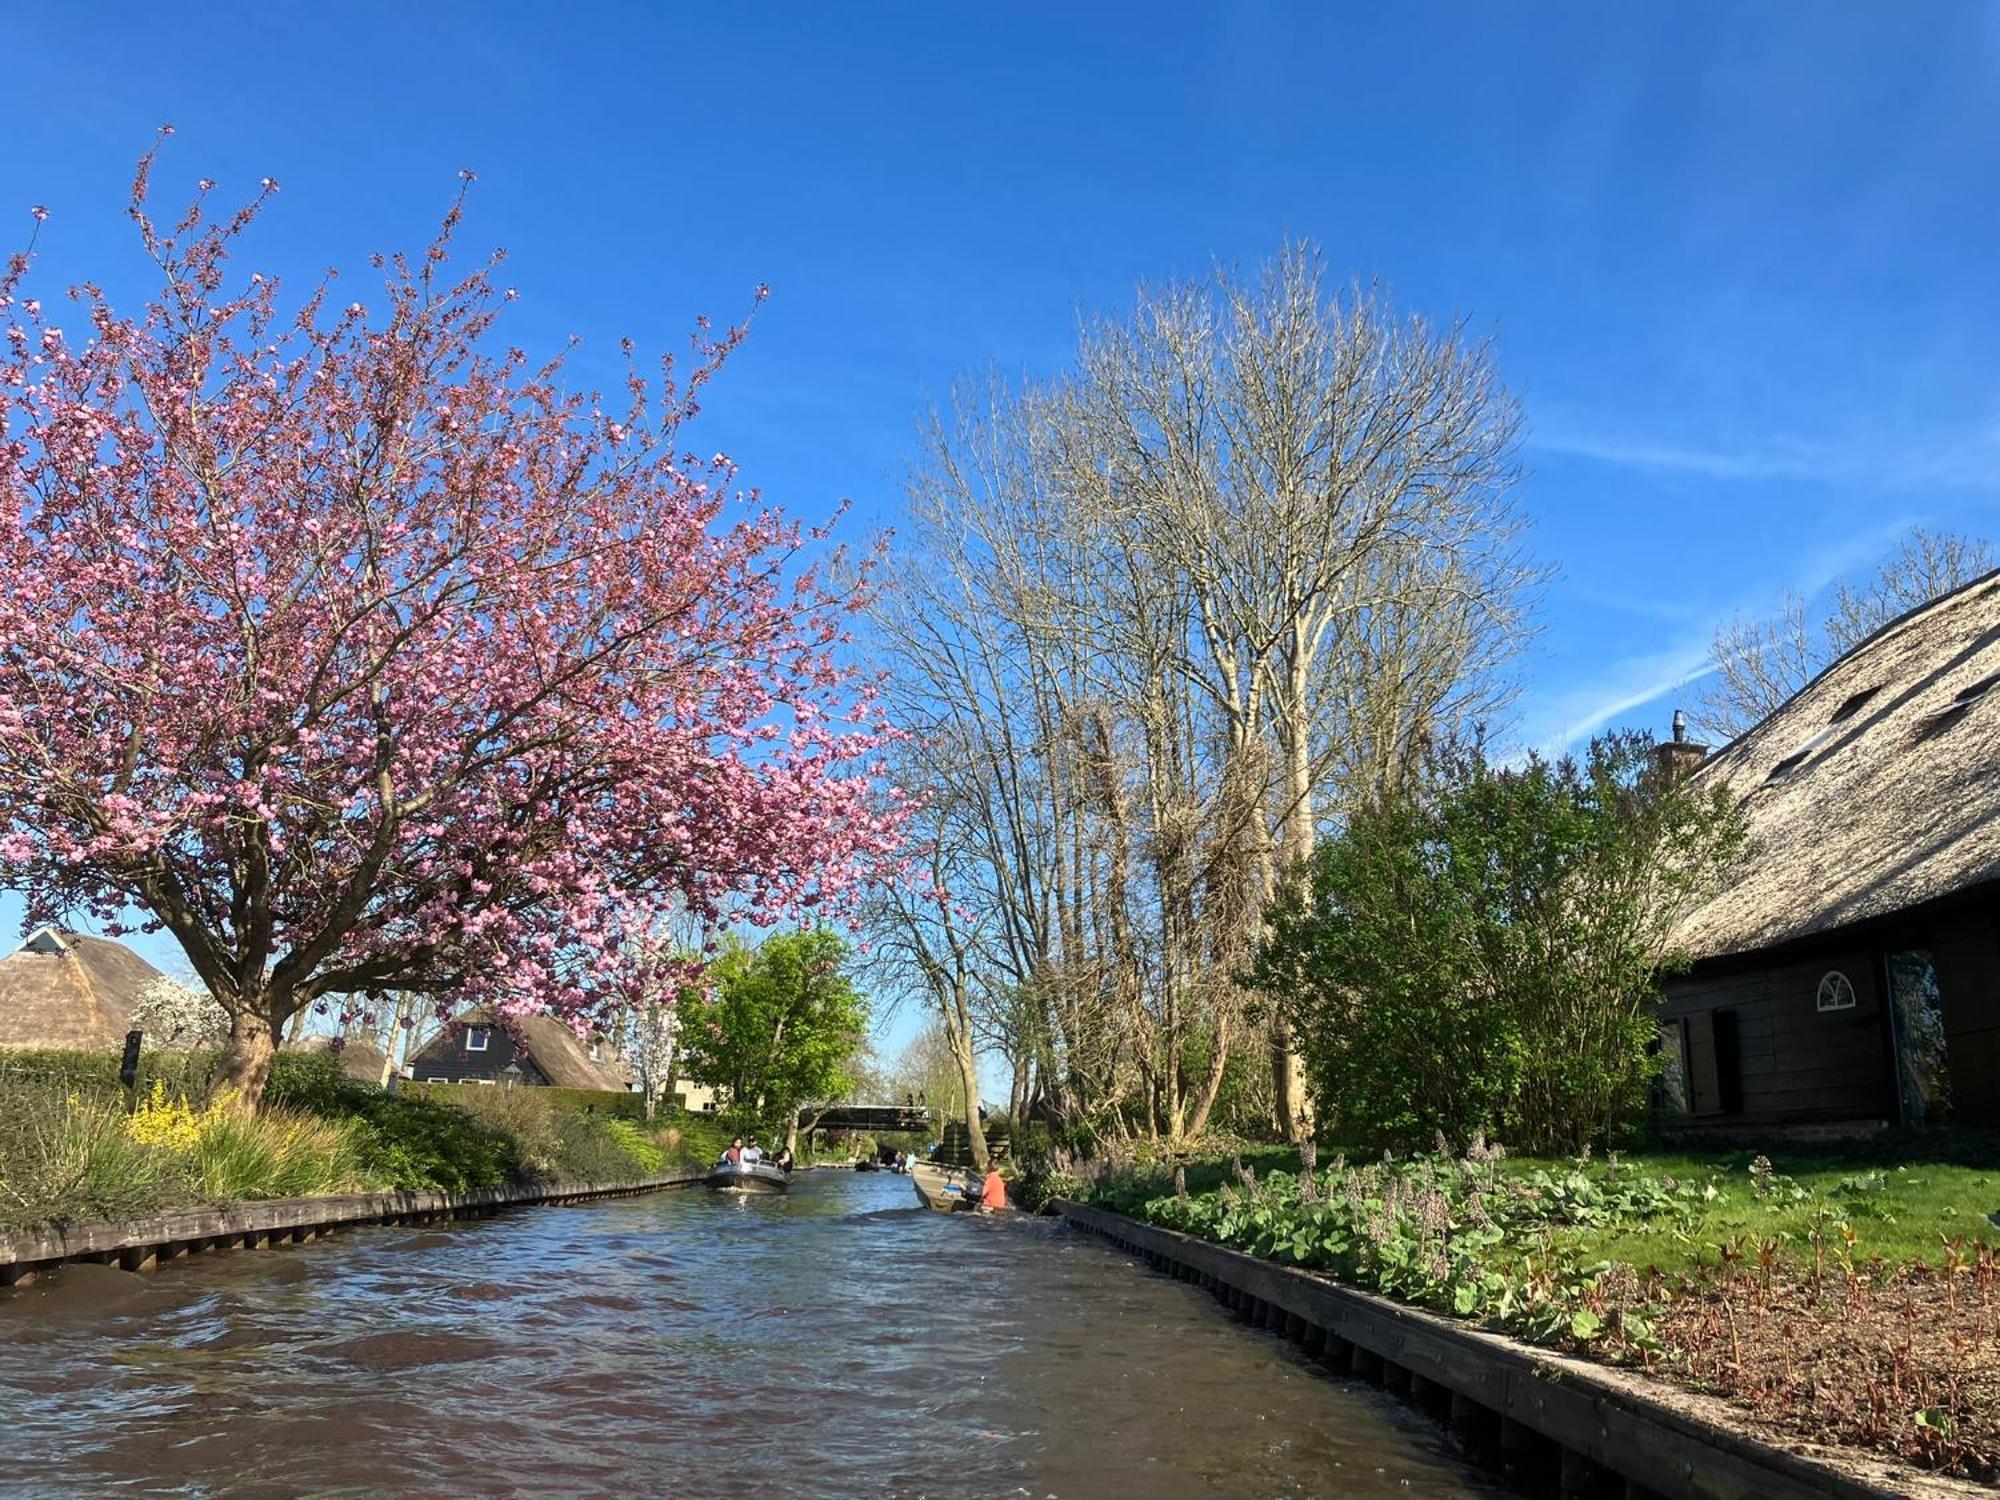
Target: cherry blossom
363 655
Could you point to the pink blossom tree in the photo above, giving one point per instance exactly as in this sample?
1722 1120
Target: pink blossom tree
365 658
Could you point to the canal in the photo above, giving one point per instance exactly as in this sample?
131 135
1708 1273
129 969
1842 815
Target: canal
838 1341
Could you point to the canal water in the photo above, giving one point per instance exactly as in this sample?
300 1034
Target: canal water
838 1341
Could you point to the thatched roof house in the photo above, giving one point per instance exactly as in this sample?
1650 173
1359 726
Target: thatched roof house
1851 971
478 1046
70 990
360 1062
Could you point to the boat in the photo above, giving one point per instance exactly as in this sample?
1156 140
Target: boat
749 1177
946 1189
868 1164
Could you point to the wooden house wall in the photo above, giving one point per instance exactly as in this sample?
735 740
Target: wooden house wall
1966 955
1800 1064
446 1060
1794 1061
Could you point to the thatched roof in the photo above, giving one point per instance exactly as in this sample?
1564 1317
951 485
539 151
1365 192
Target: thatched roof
68 989
1875 789
552 1047
359 1061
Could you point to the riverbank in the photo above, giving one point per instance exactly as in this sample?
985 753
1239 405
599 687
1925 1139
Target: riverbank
1554 1423
142 1245
1843 1302
74 1149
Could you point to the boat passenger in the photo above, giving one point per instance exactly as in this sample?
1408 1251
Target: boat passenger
734 1155
751 1155
994 1192
783 1160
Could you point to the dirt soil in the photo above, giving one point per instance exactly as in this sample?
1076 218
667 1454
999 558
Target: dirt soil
1902 1360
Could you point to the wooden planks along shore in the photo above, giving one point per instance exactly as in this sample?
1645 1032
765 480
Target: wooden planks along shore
1556 1422
142 1244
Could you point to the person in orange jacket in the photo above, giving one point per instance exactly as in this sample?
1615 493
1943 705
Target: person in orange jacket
994 1193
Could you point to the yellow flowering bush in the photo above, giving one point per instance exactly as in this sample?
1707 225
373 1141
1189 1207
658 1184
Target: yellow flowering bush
167 1123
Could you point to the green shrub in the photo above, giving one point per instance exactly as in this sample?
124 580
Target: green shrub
419 1143
65 1156
310 1081
601 1102
187 1074
604 1102
277 1154
695 1141
643 1147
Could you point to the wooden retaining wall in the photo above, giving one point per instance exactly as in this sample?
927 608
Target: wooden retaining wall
143 1244
1557 1424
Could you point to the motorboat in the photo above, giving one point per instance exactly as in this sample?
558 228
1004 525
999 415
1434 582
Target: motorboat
945 1189
749 1177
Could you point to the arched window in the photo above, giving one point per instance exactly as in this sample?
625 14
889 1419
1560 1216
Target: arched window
1835 991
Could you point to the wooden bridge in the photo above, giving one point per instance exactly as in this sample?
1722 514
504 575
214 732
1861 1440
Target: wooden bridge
872 1119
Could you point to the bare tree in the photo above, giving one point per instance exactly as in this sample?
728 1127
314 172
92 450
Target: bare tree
1756 665
1156 619
1325 474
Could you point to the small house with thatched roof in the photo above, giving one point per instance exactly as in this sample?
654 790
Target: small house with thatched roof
1850 973
70 990
478 1047
360 1061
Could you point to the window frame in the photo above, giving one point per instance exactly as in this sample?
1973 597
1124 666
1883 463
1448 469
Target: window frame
478 1038
1819 994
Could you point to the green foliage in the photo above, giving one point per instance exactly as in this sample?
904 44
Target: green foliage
1483 954
641 1147
309 1081
423 1143
778 1027
609 1103
299 1080
69 1151
277 1153
65 1155
695 1140
1459 1235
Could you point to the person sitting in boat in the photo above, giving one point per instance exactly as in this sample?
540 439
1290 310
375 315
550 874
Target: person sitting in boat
783 1160
751 1155
734 1154
993 1192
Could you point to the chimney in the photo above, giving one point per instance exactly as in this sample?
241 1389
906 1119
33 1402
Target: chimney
1678 757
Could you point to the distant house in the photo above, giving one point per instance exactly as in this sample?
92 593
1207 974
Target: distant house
70 990
1850 974
477 1047
360 1062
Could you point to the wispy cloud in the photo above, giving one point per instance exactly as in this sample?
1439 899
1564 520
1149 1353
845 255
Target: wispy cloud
1965 458
1557 721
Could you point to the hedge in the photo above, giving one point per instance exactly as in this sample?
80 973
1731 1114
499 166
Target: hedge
578 1101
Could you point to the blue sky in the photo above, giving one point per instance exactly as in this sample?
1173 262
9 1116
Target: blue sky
1738 260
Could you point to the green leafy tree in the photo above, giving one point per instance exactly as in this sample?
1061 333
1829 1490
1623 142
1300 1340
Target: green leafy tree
1484 952
778 1027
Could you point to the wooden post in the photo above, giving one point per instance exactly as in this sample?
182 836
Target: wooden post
1475 1428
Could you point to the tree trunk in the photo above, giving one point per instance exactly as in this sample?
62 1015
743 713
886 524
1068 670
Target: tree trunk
398 1036
246 1061
1218 1064
792 1136
968 1081
1288 1070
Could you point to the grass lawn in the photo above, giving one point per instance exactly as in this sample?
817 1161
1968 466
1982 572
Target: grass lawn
1900 1212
